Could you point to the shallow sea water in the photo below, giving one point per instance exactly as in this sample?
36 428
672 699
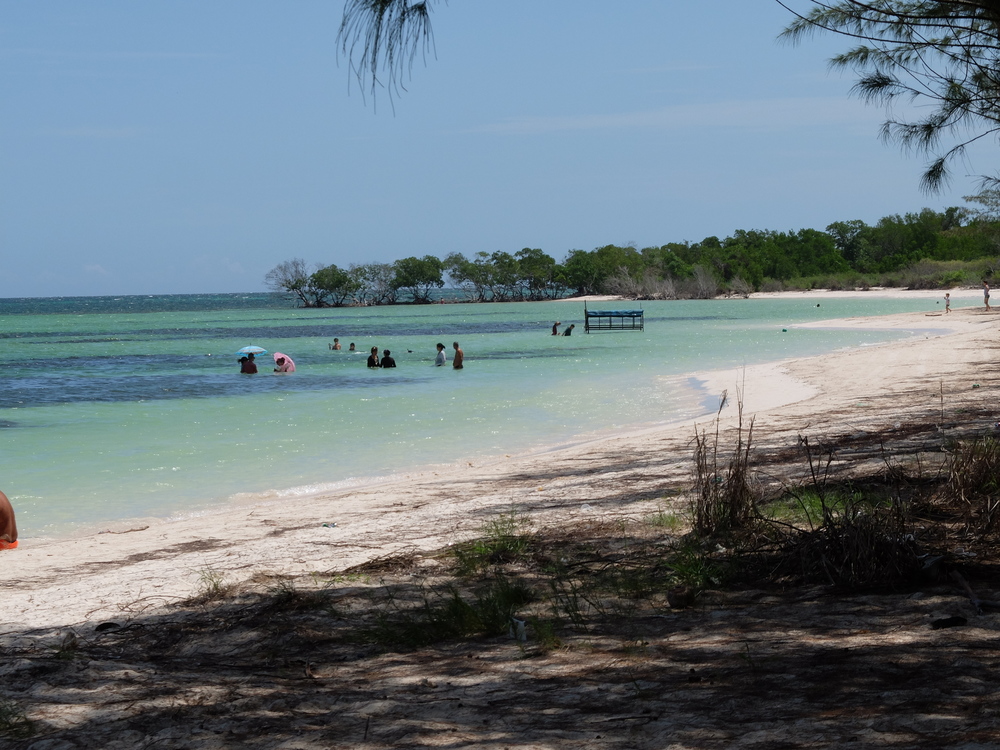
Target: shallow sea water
117 408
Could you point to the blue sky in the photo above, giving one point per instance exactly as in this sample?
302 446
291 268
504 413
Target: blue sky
180 147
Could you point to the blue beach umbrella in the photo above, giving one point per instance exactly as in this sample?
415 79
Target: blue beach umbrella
252 350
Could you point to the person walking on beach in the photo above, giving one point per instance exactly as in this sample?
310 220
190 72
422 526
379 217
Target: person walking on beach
335 345
555 328
569 331
8 527
387 361
373 358
947 302
459 357
440 359
986 295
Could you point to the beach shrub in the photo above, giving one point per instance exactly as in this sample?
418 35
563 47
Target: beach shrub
740 287
864 543
935 274
725 490
649 286
974 481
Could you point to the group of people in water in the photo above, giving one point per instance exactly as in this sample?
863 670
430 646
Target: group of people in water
386 361
440 360
248 365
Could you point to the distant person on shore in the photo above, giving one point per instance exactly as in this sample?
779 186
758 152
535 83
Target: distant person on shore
335 345
387 361
947 302
284 365
8 527
986 295
352 349
569 331
373 358
459 357
555 328
440 360
248 366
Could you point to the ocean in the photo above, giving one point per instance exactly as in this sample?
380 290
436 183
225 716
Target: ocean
115 408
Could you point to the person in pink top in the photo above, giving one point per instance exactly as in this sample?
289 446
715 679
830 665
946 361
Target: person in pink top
8 527
284 364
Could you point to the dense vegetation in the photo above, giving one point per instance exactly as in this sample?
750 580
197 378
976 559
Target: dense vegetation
958 246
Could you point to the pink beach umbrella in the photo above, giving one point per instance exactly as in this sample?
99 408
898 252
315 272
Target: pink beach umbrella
289 365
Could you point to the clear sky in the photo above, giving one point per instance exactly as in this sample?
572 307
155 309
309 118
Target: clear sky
188 146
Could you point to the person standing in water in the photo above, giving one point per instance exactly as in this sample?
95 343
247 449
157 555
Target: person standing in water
387 360
555 328
373 357
569 331
459 357
440 360
8 527
335 346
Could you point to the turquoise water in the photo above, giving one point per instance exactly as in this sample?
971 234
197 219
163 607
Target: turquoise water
132 407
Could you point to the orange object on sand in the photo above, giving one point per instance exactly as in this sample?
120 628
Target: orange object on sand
4 544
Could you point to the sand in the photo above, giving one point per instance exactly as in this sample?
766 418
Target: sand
141 569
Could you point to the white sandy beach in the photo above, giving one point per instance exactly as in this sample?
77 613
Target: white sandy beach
140 566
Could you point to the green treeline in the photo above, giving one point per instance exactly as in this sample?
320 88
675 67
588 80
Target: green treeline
926 249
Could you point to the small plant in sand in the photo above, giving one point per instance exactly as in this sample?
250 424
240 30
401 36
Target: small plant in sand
13 721
725 490
285 596
212 586
69 646
809 509
505 539
693 566
544 635
449 613
665 519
